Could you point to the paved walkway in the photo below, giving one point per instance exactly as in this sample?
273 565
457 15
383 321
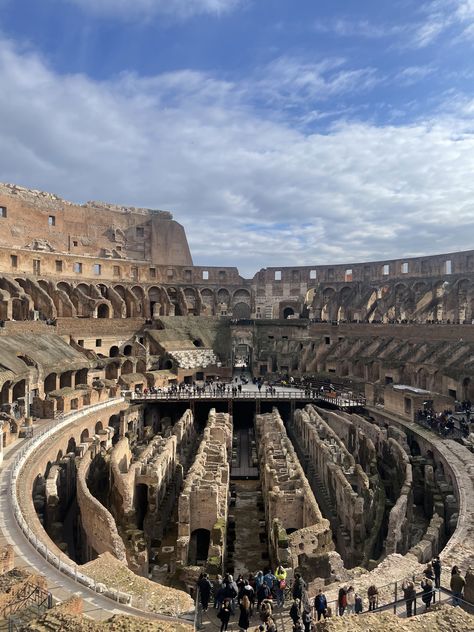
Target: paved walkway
26 557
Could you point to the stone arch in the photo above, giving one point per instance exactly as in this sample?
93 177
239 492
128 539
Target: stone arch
84 435
139 294
50 383
19 390
71 446
114 351
287 312
111 371
155 297
141 366
127 350
223 296
208 300
81 376
84 288
190 297
241 311
98 427
199 545
103 310
127 367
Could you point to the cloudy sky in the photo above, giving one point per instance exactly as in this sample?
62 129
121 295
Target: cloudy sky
279 132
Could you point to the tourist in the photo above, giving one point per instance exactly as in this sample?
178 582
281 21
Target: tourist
266 610
245 612
295 611
297 627
280 585
436 564
299 586
205 588
427 588
342 600
350 600
224 614
320 604
307 619
218 592
263 593
409 594
358 605
269 579
230 590
258 579
373 595
429 572
457 585
249 592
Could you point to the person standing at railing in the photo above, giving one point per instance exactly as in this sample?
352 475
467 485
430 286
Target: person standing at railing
427 588
320 604
457 585
436 565
373 595
409 594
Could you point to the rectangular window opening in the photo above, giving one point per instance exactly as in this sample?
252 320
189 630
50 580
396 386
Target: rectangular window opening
97 268
14 261
152 273
448 267
205 275
140 232
405 268
36 266
116 271
98 342
51 220
277 275
348 275
312 274
77 267
59 265
386 269
3 211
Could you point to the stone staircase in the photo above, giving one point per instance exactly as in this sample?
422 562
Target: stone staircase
194 358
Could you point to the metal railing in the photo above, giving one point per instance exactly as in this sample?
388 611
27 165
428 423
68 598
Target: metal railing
292 395
56 561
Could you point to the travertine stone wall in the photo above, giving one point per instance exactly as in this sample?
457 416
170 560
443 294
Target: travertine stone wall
299 535
97 522
159 467
203 503
355 497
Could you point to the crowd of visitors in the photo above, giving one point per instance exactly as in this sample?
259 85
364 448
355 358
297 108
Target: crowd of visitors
259 595
446 423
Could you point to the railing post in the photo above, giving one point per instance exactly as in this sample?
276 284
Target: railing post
395 602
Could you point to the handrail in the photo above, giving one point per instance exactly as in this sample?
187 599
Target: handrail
60 564
245 395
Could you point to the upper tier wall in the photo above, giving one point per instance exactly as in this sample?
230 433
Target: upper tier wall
37 220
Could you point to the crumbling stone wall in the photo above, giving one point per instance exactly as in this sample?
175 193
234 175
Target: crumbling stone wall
355 499
97 522
299 535
159 467
203 503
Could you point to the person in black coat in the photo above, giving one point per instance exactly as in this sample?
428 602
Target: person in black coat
205 588
224 614
245 612
295 611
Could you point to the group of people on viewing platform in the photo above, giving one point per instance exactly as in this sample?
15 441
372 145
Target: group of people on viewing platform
447 423
260 595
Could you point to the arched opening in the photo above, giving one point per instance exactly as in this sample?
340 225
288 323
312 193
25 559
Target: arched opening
98 427
19 390
114 351
65 379
127 367
127 350
114 422
81 376
59 456
199 546
50 383
141 504
141 366
111 371
103 311
241 311
287 312
167 364
84 435
198 343
4 393
71 446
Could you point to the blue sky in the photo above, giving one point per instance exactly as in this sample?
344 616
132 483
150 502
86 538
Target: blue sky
277 132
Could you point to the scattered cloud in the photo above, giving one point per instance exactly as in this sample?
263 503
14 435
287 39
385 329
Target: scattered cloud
140 9
251 190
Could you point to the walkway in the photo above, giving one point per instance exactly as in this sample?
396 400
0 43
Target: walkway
59 585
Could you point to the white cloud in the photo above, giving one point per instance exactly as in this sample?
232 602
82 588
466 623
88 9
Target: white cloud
251 191
147 8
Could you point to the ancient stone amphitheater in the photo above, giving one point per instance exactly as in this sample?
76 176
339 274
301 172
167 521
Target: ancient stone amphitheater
159 419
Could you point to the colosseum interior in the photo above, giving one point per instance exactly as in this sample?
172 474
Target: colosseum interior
160 419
